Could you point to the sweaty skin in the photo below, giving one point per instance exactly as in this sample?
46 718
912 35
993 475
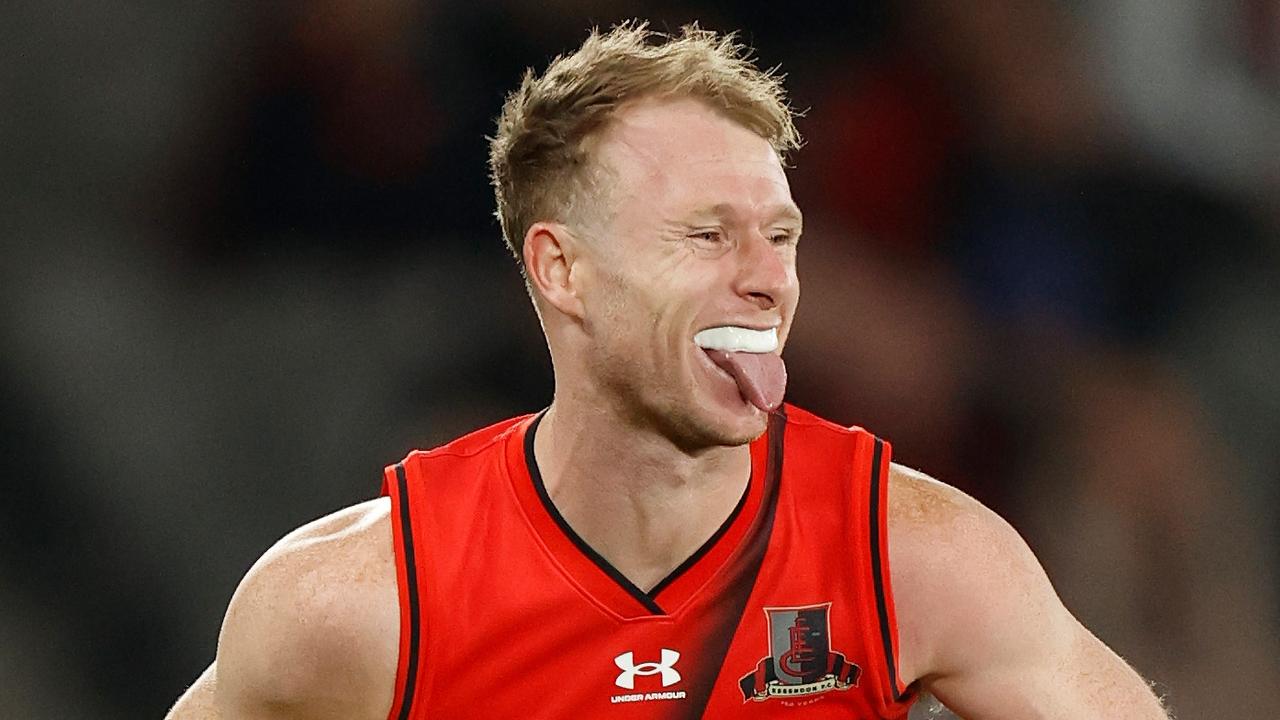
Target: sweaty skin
703 234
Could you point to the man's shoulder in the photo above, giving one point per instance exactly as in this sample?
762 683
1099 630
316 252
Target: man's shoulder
958 569
979 622
940 527
353 541
922 503
316 616
940 537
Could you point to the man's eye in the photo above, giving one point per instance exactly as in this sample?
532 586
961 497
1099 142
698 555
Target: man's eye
708 237
781 239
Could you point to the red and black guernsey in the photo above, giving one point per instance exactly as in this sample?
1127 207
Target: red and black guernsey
786 611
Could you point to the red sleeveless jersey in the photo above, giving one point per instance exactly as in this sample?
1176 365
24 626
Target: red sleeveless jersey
785 612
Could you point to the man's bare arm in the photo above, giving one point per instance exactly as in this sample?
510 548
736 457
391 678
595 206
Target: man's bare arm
980 625
312 632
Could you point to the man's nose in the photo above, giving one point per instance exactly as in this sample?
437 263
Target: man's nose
764 274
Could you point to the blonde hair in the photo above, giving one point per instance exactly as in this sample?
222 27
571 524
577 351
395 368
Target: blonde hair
539 160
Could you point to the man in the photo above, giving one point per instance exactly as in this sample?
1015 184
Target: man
667 540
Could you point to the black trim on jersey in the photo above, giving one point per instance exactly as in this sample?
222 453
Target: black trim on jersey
877 574
645 598
745 568
706 546
640 595
411 580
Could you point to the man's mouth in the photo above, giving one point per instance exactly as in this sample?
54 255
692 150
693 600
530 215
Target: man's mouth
750 357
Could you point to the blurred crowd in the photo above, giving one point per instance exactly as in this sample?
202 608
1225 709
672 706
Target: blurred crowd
249 258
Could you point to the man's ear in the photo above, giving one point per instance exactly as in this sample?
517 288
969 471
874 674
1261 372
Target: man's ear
550 251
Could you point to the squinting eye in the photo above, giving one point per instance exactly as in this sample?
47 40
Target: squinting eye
708 237
782 239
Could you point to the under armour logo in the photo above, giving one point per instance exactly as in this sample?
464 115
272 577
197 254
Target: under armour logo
627 663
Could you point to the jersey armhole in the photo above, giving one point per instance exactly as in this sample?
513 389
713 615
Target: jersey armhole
395 486
878 525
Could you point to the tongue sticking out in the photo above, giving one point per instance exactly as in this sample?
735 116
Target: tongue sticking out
761 377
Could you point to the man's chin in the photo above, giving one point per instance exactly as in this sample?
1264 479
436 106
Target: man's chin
759 425
737 427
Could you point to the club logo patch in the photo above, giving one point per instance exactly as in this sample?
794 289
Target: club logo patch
800 662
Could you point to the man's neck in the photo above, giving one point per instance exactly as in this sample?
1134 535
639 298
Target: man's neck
633 496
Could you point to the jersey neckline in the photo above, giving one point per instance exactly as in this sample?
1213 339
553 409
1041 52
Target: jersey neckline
598 578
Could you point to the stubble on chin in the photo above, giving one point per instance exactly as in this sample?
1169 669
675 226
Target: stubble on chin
643 398
694 428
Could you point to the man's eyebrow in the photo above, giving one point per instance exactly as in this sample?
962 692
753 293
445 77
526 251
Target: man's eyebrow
727 211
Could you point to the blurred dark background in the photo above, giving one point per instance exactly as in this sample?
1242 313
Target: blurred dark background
249 258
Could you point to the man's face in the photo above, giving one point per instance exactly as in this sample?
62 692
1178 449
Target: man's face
701 233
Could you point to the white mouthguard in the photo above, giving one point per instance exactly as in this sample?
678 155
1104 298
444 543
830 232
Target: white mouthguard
731 338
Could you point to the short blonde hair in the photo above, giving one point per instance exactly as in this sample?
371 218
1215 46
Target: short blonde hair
539 160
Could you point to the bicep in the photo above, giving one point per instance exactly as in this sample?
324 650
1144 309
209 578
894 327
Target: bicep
312 632
209 699
981 625
1062 677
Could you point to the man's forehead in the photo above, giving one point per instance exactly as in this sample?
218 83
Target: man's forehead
681 159
658 135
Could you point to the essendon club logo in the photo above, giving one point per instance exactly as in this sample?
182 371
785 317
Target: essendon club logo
800 660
